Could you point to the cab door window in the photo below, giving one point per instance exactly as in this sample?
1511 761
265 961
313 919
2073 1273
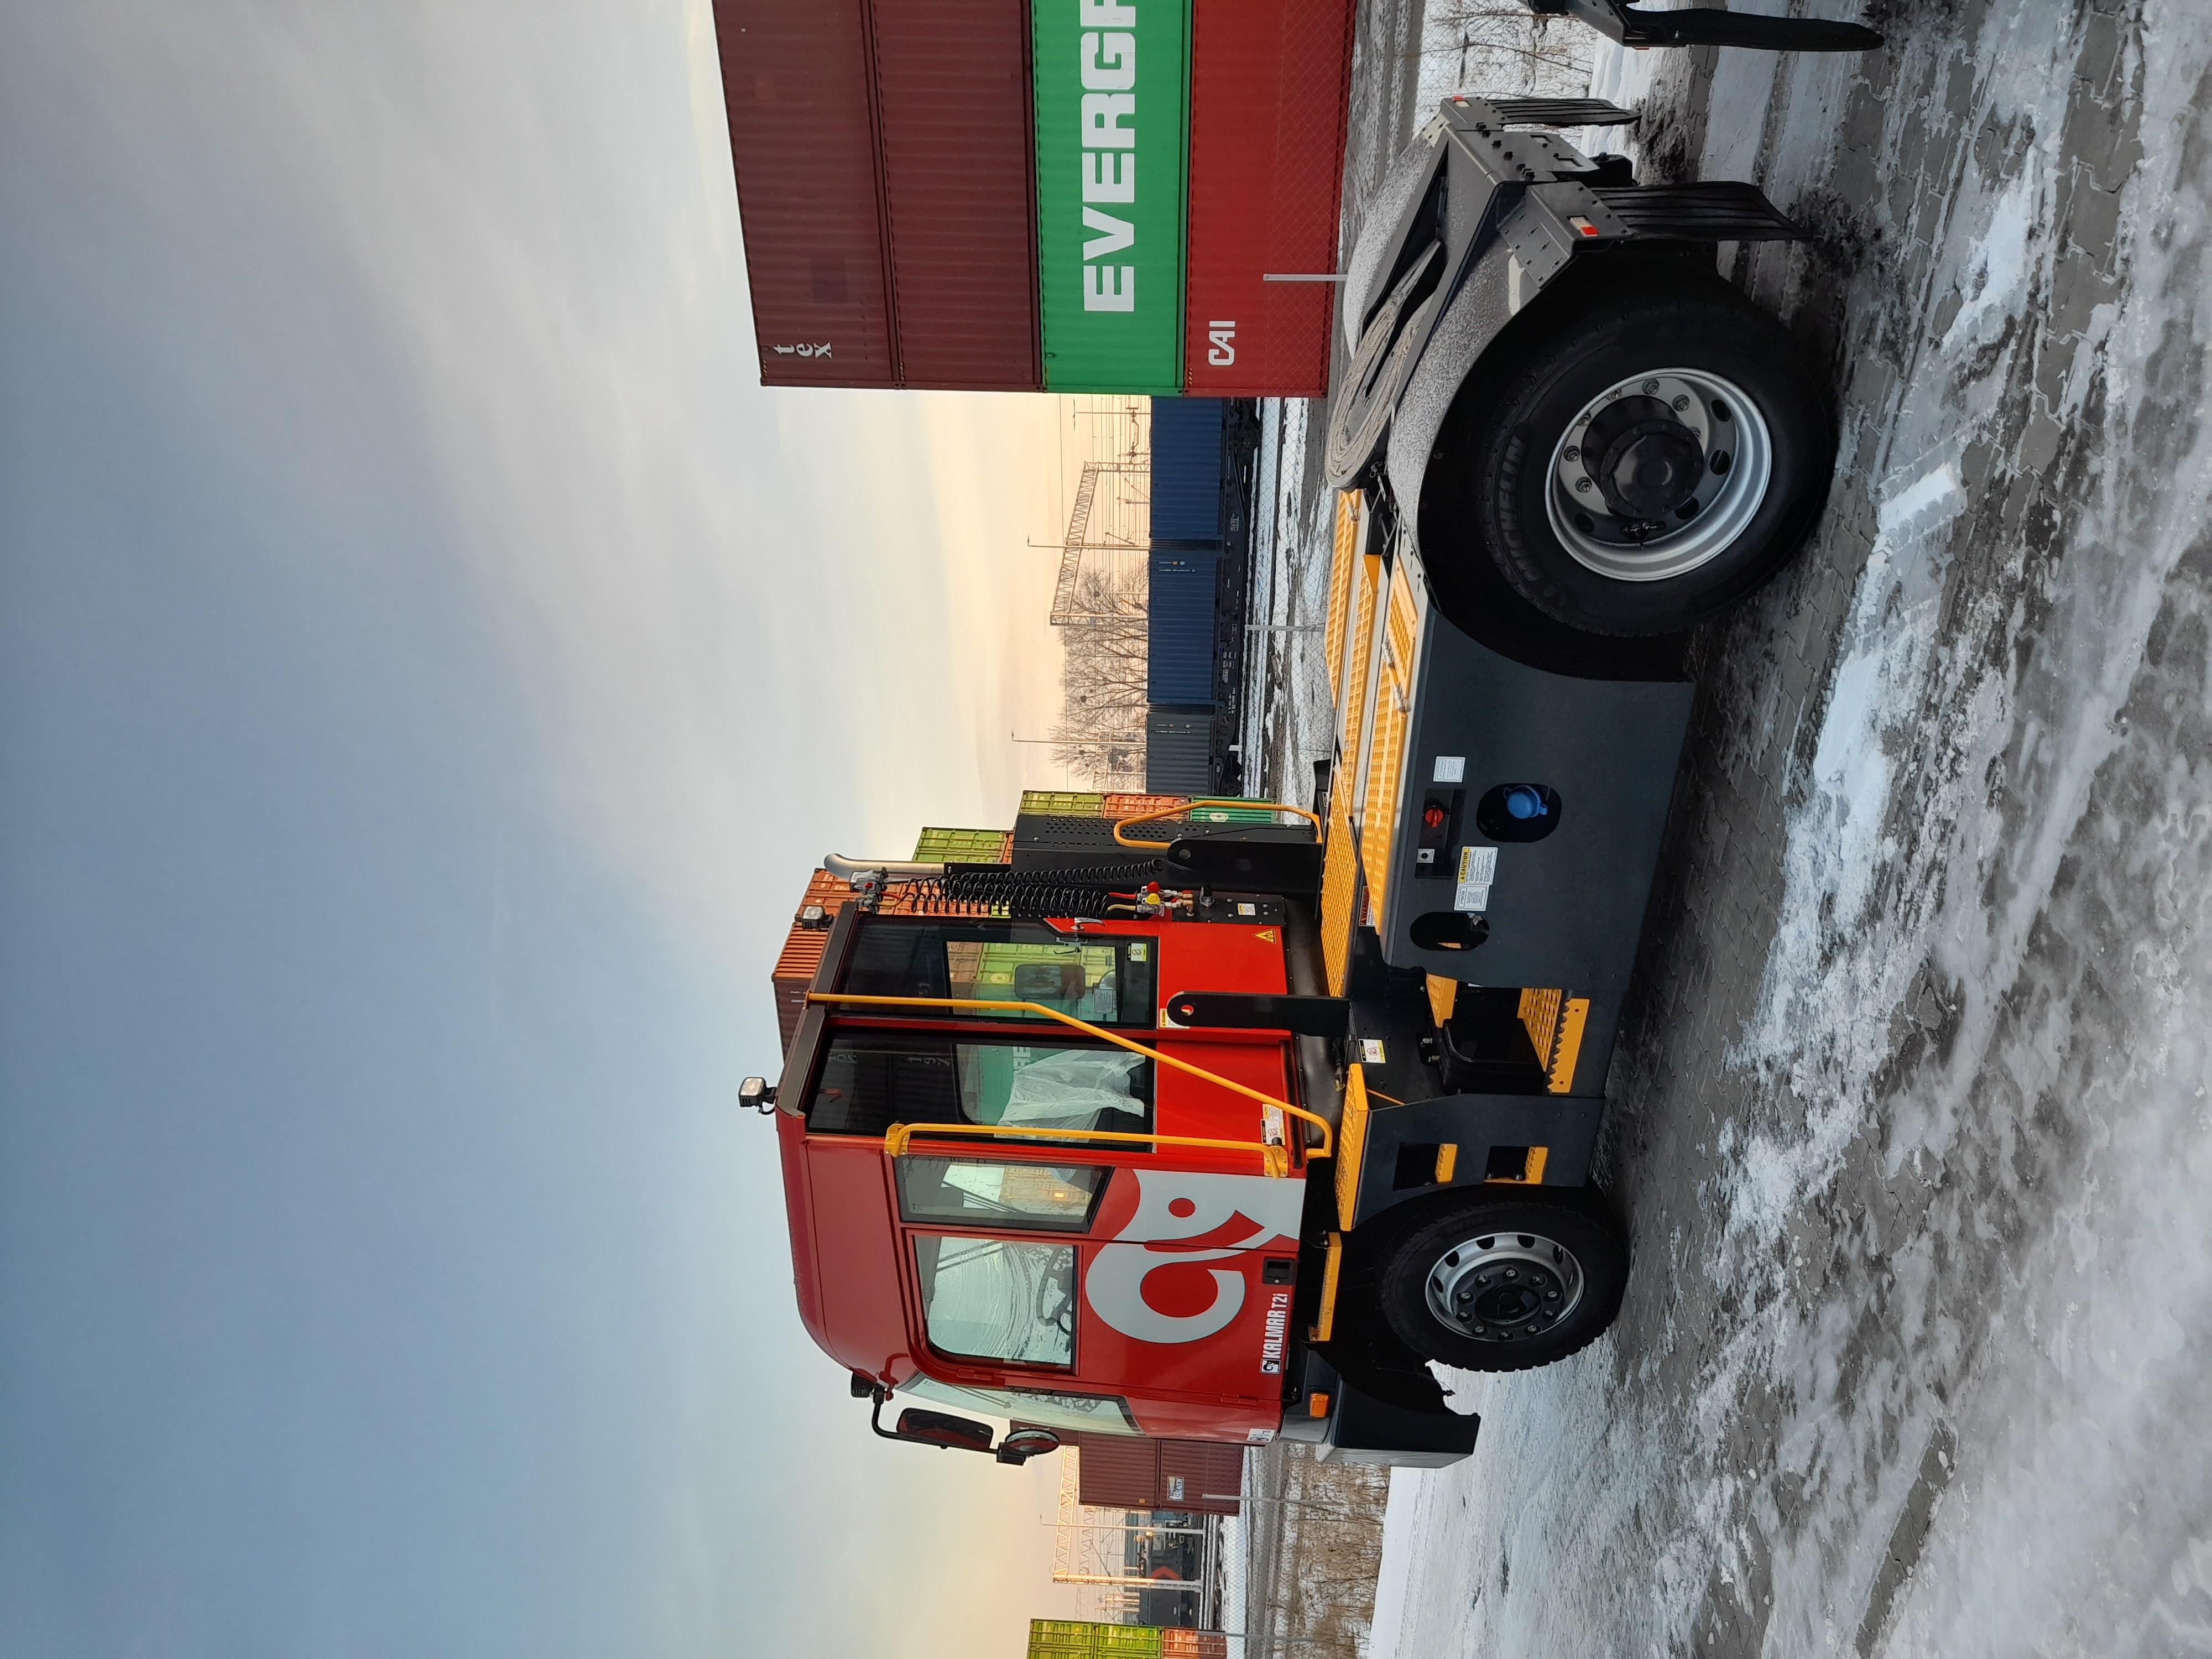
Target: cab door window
1058 1197
998 1298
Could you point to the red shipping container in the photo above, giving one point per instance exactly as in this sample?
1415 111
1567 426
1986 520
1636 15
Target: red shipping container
883 156
1206 1475
1117 1472
1128 1472
1118 807
1269 88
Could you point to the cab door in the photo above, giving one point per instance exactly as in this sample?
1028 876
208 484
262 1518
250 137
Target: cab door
1167 1287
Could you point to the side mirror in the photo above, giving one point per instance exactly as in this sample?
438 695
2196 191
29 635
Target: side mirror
943 1429
1022 1444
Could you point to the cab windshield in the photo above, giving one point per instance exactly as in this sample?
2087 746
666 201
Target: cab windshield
1101 978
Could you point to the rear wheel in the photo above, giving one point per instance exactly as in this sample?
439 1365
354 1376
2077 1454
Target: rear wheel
1492 1284
1634 469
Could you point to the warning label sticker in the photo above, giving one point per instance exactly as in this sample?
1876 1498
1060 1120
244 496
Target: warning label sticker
1478 868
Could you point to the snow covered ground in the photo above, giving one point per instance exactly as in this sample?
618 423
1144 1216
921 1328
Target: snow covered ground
1911 1126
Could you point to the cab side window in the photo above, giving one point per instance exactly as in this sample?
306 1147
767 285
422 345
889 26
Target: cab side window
1105 979
1058 1197
998 1298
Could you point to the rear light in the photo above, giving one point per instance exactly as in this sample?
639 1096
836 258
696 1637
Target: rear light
1581 226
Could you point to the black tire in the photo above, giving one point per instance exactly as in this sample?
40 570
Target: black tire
1509 1237
1505 436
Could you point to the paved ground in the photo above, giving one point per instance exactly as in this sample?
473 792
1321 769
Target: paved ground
1911 1120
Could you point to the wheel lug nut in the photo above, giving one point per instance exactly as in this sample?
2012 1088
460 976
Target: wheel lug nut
1681 404
1583 484
1649 387
1573 453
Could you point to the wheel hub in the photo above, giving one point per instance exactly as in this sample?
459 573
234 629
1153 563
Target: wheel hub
1658 474
1505 1287
1646 462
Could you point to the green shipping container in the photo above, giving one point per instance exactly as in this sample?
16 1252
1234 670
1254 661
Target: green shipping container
1061 804
1076 1638
962 846
1113 140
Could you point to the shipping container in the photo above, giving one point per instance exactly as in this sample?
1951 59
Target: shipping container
1119 807
1131 1472
1074 1638
986 194
963 846
1179 628
883 160
1113 130
1186 471
1179 751
1061 802
1117 1472
1269 89
1205 1476
1081 1638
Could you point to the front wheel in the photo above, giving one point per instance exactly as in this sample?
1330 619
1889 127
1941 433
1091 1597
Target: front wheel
1636 469
1491 1283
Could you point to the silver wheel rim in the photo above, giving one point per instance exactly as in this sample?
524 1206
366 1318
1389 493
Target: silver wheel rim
1505 1287
1698 521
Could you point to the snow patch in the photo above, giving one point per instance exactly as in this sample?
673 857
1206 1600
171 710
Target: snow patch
1996 284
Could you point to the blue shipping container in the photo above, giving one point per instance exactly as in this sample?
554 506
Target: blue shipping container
1178 752
1187 468
1179 628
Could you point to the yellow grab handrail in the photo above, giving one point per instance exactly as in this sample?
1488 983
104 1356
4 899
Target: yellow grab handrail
1275 1158
1329 1135
1120 824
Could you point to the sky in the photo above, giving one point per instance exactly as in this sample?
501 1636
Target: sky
429 663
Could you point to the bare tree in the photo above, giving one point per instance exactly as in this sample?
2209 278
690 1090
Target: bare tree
1100 735
1507 49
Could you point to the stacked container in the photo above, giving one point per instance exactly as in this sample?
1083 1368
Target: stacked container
938 846
1078 196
